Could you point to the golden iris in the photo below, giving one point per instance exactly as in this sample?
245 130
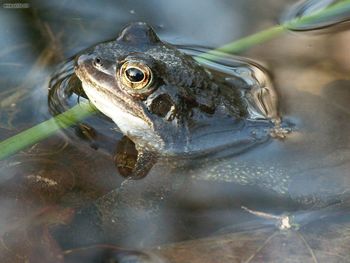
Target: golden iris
135 75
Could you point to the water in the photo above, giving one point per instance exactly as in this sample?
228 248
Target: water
310 73
305 8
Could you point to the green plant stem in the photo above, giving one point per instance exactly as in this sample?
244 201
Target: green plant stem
322 14
244 43
45 129
272 32
81 111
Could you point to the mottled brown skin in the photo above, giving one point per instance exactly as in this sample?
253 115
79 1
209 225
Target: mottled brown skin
169 118
177 109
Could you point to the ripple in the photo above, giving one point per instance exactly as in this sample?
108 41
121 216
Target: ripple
316 14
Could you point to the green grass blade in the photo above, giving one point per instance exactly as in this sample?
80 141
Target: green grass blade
322 14
245 43
45 129
271 33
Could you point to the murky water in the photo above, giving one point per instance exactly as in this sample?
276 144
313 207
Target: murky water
65 192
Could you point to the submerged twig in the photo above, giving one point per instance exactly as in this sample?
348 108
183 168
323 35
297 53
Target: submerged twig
283 222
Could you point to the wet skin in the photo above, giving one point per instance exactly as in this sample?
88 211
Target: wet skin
171 108
165 102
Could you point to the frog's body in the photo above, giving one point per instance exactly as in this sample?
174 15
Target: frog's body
172 107
176 108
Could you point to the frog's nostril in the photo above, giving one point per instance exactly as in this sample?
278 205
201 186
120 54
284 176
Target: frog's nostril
97 62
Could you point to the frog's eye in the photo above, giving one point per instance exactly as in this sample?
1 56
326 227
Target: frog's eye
135 75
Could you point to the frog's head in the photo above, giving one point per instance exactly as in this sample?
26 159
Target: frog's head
148 88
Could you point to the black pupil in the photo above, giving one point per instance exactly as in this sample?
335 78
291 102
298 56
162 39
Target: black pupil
134 74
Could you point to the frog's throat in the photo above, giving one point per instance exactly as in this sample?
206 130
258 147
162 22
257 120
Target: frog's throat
140 130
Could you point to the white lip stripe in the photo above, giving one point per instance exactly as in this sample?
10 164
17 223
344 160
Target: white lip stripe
127 123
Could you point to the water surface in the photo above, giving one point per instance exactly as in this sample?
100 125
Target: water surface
309 70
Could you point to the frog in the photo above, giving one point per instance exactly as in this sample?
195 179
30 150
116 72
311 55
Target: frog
173 112
166 103
200 126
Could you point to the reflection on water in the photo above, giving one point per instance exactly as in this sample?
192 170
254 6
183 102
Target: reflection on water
307 7
177 201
